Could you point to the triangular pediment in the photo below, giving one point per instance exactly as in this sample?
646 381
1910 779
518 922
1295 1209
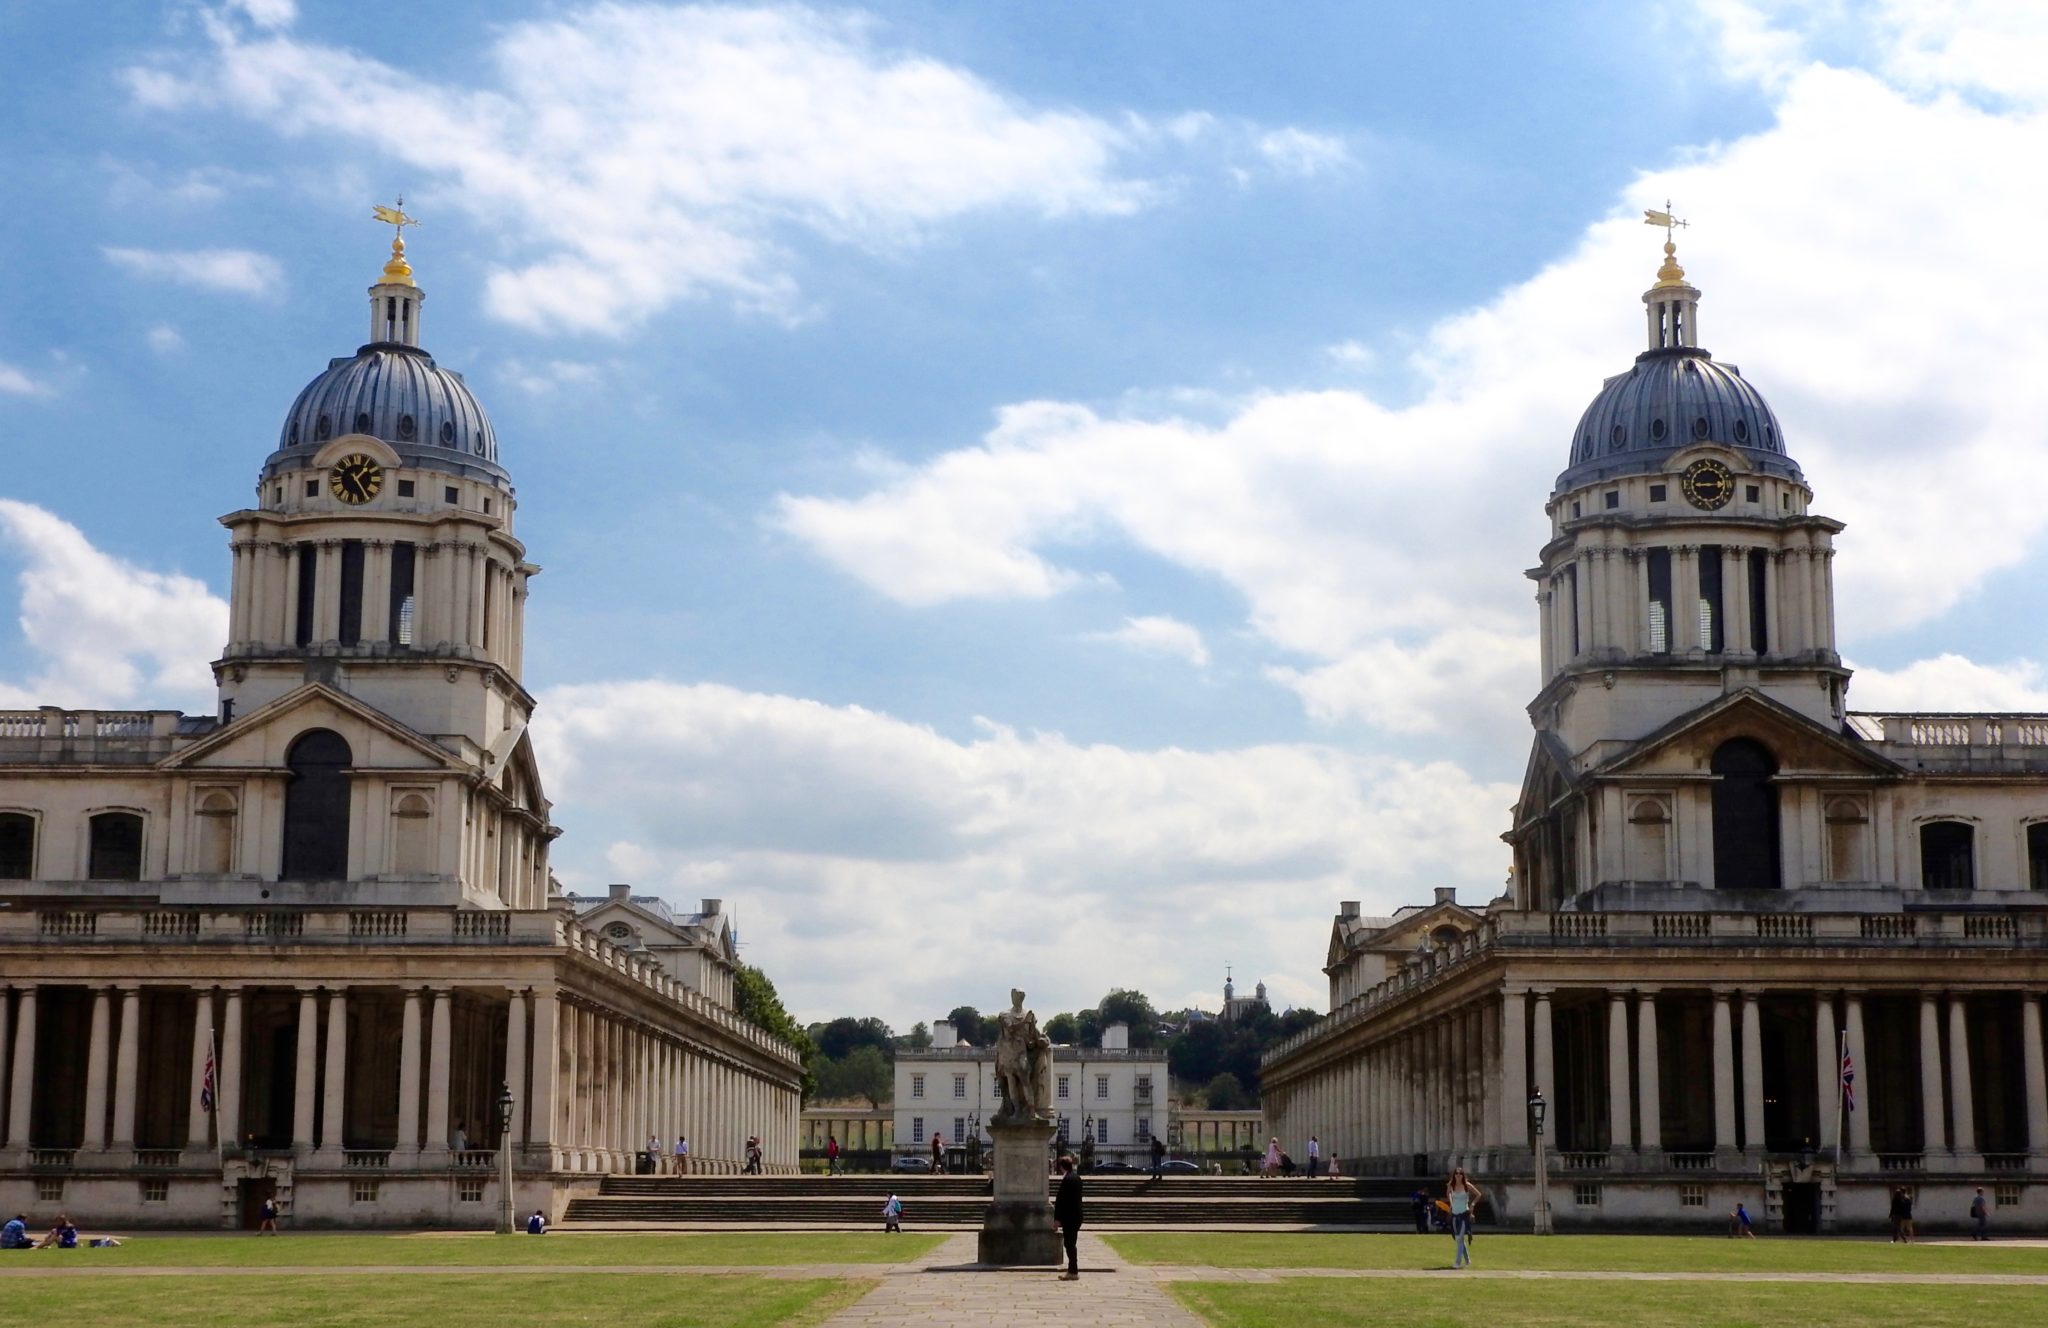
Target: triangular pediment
1686 744
262 738
1547 777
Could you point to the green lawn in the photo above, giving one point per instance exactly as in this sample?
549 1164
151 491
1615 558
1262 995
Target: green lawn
339 1250
1628 1254
456 1300
1330 1302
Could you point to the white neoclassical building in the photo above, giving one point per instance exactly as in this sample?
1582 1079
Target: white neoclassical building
1724 879
332 897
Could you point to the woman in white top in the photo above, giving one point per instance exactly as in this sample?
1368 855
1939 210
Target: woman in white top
1270 1164
1462 1195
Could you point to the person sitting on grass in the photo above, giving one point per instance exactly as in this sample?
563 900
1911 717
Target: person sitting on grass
14 1236
1739 1223
537 1225
63 1236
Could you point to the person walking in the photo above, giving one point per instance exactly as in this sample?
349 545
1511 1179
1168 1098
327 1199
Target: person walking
682 1154
1158 1154
1066 1213
938 1154
1315 1156
831 1154
1739 1223
1270 1166
1463 1196
269 1224
1980 1216
1902 1217
892 1216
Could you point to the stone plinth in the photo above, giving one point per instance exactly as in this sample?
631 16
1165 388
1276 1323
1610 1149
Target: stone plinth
1019 1228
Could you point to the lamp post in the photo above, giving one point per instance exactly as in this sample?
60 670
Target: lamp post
1538 1108
505 1219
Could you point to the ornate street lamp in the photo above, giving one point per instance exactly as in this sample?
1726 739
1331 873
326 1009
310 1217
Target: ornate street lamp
505 1218
1538 1109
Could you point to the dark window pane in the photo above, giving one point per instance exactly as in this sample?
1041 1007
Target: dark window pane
402 562
1745 817
316 808
2037 855
1660 601
309 572
351 592
17 847
1759 615
1945 855
1712 623
116 847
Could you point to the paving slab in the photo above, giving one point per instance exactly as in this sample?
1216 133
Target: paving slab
948 1288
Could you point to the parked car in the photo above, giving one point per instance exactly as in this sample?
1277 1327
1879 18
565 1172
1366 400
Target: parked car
1114 1169
1180 1166
910 1162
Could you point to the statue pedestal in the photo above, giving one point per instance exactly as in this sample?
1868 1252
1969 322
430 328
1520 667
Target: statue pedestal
1019 1227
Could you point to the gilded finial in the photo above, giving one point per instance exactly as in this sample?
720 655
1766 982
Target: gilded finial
1671 274
397 272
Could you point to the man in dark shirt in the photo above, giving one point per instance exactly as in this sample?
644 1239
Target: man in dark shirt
1066 1213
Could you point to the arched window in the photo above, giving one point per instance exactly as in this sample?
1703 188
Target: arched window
17 847
1947 850
1446 935
213 849
116 848
1745 817
412 834
1848 826
316 808
1649 839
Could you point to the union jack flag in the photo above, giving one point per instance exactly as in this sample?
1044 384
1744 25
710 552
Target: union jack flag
206 1080
1848 1078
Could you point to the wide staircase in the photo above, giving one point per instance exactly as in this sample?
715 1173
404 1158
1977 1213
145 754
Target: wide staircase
1179 1202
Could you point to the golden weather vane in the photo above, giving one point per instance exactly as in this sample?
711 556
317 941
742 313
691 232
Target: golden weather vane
397 270
1651 217
1671 274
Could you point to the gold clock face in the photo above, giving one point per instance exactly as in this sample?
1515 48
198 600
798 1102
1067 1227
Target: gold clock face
1707 484
356 479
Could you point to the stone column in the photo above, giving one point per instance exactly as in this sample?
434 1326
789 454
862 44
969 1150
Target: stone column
96 1050
1735 600
440 1054
1514 1072
1752 1077
1724 1079
1620 1138
2036 1079
202 1046
1542 1072
1933 1115
229 1098
1649 1092
21 1092
333 1107
1961 1096
1827 1072
127 1067
1859 1119
327 591
541 1132
303 1101
515 1065
409 1075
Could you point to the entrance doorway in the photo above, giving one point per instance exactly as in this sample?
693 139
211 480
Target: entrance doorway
1802 1208
253 1193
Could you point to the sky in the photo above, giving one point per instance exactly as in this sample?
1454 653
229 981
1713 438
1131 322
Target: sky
1031 494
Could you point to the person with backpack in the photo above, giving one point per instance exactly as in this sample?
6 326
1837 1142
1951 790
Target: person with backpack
892 1216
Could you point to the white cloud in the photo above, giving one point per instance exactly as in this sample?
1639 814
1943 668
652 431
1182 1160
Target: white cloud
850 839
267 15
1298 152
1465 678
18 382
644 154
1161 636
1352 355
165 339
1950 682
107 632
241 271
540 378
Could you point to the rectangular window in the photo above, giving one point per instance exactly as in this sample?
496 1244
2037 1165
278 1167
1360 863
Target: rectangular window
1751 493
1063 1086
363 1191
1144 1088
451 495
312 488
1656 493
1144 1129
49 1191
405 488
917 1129
403 559
1759 620
1711 621
1658 565
959 1085
1692 1196
156 1191
309 577
1571 604
2037 856
917 1085
490 600
1586 1196
1102 1130
1613 499
2005 1196
114 847
351 592
18 846
469 1191
1101 1086
959 1129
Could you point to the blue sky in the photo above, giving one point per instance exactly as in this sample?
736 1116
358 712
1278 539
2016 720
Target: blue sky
1059 462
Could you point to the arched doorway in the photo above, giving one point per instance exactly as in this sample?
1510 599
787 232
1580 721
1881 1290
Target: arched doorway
316 808
1745 817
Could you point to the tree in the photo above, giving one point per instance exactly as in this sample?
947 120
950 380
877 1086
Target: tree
863 1072
1088 1028
966 1024
1124 1006
756 1001
838 1038
1225 1093
1063 1029
1196 1056
919 1038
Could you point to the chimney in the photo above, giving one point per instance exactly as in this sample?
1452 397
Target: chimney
942 1035
621 892
1116 1037
1348 909
1447 894
712 907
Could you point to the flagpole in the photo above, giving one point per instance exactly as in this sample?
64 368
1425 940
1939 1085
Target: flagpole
1841 1094
219 1153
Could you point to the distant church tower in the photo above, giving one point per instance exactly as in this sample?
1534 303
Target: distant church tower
379 557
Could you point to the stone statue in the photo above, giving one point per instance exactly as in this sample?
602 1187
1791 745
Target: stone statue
1023 1065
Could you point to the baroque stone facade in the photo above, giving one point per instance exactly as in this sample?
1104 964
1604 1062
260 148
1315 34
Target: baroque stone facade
299 948
1725 882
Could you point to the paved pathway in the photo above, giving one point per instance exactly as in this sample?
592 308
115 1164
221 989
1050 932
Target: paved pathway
947 1288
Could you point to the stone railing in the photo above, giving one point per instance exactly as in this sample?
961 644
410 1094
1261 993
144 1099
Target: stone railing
1581 1161
366 1158
475 1159
1689 1161
157 1157
56 736
200 925
51 1157
1955 737
2005 1161
1901 1162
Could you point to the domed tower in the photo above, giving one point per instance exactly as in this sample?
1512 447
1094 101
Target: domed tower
379 557
1684 563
